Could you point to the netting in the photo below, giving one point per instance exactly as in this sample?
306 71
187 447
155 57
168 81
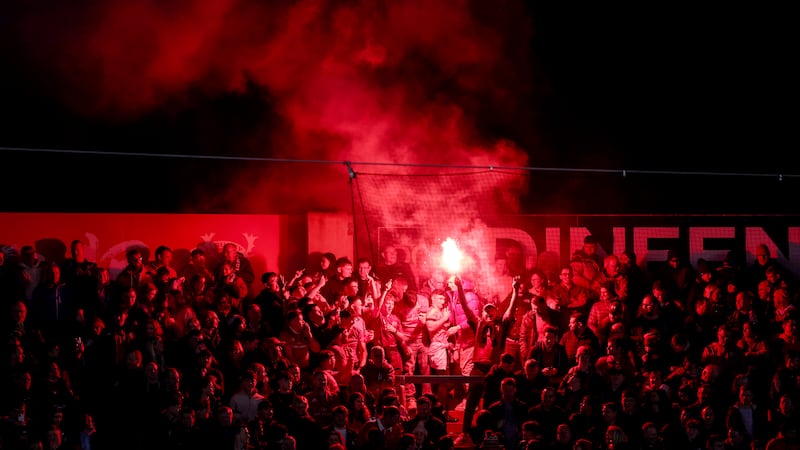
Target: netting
416 212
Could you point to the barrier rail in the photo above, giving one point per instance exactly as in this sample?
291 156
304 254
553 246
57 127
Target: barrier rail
403 379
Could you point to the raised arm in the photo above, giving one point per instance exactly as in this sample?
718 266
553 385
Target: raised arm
382 297
472 318
514 295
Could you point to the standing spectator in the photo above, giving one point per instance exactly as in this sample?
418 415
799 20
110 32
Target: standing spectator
197 265
508 413
245 401
600 311
440 329
302 425
342 427
433 426
323 397
612 274
461 296
392 268
783 412
677 275
497 373
358 412
300 342
334 287
238 262
389 430
548 413
747 417
515 308
367 284
569 297
487 333
586 263
539 317
756 272
638 279
552 357
53 305
271 302
778 309
411 311
31 270
388 332
134 275
79 273
230 282
579 334
377 372
162 258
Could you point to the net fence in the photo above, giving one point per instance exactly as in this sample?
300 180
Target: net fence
416 212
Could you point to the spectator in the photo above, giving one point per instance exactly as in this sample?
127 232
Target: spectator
238 262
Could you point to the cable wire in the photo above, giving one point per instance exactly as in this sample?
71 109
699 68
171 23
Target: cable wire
349 164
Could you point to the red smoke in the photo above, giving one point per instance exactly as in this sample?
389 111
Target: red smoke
401 81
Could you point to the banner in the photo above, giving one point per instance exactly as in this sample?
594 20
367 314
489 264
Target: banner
107 237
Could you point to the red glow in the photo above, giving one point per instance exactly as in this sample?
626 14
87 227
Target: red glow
399 81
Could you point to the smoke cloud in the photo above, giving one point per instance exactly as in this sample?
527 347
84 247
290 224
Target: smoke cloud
407 81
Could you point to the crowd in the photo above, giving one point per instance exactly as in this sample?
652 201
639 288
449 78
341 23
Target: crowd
595 353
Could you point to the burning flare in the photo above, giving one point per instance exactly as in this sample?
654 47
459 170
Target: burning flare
451 256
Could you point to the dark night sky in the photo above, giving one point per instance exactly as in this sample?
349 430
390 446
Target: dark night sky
570 85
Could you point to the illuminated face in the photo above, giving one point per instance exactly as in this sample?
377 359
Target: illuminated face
166 257
772 276
346 270
550 339
357 306
199 259
229 252
548 396
566 276
55 272
272 284
745 396
501 265
612 266
103 277
437 301
300 406
77 250
743 302
20 312
437 280
351 289
364 268
747 330
135 260
389 255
